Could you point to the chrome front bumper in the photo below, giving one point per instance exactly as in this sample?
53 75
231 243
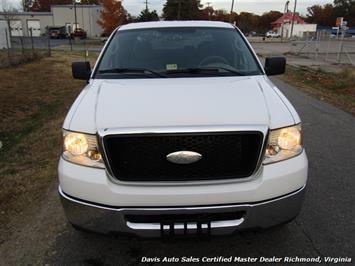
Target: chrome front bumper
107 219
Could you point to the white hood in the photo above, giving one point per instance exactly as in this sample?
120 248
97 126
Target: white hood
179 102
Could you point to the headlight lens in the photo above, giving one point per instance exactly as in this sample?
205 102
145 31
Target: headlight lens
283 144
81 149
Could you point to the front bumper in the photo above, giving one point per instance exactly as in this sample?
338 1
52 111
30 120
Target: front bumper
269 182
108 219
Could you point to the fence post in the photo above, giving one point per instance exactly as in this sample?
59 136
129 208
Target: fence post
69 36
318 38
328 48
49 45
86 50
22 48
8 47
70 43
32 46
341 47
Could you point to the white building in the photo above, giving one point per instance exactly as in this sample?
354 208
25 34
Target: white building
4 40
283 26
61 15
299 30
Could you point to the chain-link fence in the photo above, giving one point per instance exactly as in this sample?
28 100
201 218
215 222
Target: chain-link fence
326 47
15 50
18 49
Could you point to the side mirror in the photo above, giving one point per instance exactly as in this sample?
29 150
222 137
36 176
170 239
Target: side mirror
275 65
81 70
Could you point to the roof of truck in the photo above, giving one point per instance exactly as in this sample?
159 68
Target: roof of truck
167 24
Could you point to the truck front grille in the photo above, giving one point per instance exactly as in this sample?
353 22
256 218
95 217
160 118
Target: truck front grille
142 157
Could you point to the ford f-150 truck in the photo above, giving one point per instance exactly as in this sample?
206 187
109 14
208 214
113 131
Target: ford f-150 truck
179 130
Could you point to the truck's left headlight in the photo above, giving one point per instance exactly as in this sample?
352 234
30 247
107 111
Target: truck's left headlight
283 143
81 149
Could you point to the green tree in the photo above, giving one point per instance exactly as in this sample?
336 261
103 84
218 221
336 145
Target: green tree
265 20
247 22
26 5
344 5
321 15
44 5
221 15
89 2
181 9
147 15
346 9
206 13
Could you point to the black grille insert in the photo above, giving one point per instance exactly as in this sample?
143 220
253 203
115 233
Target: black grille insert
142 157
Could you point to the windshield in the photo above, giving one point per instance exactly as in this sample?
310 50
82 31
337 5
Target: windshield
177 52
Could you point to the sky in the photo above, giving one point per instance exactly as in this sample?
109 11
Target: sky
255 6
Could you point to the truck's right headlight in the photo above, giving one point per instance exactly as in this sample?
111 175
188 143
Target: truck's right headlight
81 149
283 143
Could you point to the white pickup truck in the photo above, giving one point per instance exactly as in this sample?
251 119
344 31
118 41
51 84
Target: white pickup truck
179 130
272 34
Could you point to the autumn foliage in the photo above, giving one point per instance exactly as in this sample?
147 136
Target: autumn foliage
112 15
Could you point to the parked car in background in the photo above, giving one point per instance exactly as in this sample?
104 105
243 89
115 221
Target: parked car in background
78 33
250 34
179 130
104 37
253 34
272 34
57 32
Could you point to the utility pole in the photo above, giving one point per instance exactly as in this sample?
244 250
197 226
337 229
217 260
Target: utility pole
293 18
208 10
75 18
283 22
179 10
232 7
286 6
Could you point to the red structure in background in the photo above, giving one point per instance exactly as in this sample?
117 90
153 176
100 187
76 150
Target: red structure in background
287 18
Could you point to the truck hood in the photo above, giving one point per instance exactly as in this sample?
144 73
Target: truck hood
180 102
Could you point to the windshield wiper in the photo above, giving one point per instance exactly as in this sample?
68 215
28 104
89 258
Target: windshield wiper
131 70
199 70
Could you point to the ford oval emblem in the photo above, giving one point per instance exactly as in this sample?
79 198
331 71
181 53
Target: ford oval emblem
184 157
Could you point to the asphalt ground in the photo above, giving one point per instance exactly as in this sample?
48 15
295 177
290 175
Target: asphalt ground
325 227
